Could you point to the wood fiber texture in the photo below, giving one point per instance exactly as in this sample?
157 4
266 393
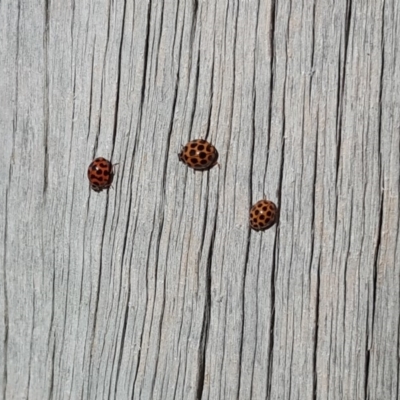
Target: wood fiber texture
158 289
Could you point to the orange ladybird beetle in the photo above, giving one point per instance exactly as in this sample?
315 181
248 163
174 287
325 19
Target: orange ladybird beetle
199 155
100 174
263 215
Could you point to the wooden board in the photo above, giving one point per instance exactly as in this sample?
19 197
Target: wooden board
157 289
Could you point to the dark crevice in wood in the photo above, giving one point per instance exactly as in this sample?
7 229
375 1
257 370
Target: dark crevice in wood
156 291
211 88
124 247
112 358
123 254
177 7
147 267
193 27
243 296
207 301
232 97
331 356
196 90
317 289
5 297
33 321
145 59
241 312
374 285
179 57
73 7
341 84
65 303
275 267
102 80
157 52
122 343
312 45
90 99
96 142
272 77
190 61
291 352
339 95
247 250
96 306
252 140
268 133
170 130
118 88
211 97
316 335
272 319
396 395
220 372
346 261
51 337
17 60
139 353
367 351
253 119
51 340
46 94
314 205
110 13
256 312
51 386
206 318
276 241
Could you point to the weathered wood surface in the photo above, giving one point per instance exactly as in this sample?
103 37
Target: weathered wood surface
157 289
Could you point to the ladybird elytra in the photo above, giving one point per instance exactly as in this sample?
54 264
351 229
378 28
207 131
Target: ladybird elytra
199 155
100 174
263 215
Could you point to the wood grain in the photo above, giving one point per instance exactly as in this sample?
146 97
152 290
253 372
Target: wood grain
157 289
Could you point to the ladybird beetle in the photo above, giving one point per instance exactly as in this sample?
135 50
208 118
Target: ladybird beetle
100 174
199 155
263 215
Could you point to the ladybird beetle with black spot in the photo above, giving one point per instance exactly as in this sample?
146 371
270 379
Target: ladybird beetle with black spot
199 155
100 174
263 215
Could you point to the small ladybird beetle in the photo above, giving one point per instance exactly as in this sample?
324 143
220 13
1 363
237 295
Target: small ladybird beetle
263 215
199 155
100 174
